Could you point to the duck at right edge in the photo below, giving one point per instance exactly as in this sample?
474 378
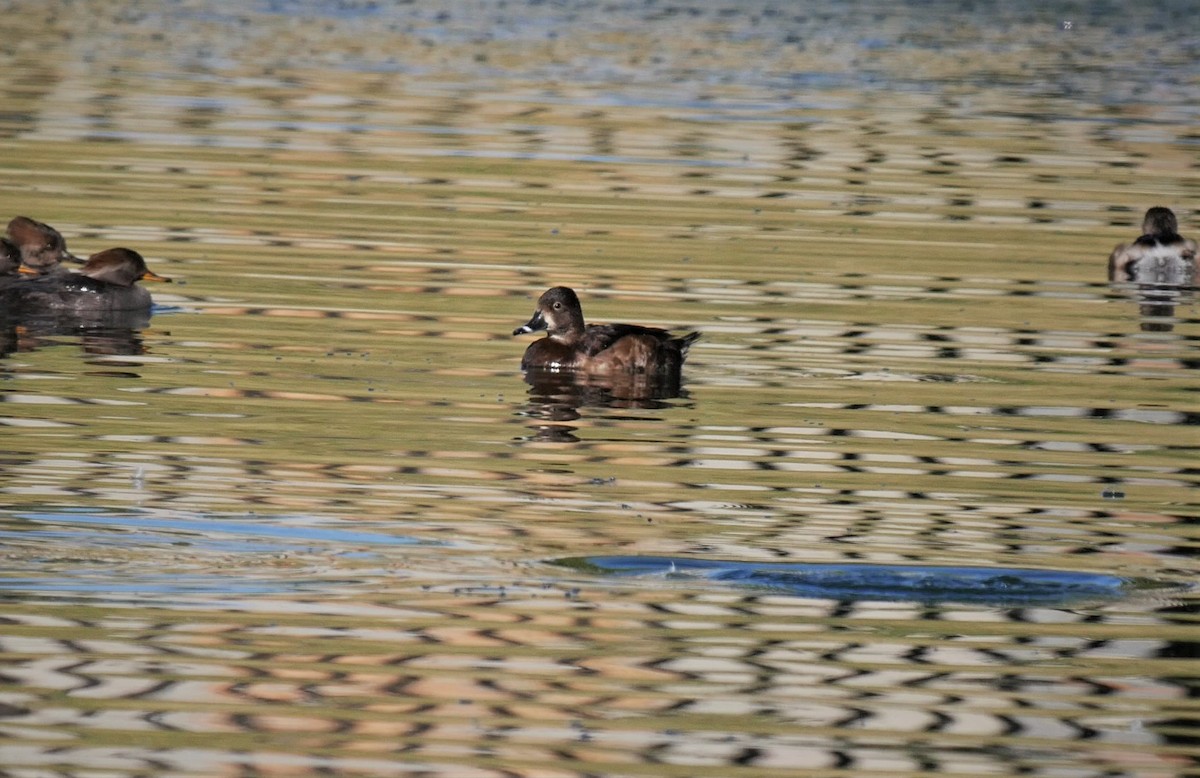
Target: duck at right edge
1159 256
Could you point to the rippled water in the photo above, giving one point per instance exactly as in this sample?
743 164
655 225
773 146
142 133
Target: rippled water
924 504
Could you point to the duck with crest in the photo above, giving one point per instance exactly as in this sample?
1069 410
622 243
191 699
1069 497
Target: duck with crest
43 248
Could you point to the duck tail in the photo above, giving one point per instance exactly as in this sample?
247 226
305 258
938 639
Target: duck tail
685 343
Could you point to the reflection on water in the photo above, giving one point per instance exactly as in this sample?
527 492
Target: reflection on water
307 518
556 399
1159 288
900 583
1157 303
107 333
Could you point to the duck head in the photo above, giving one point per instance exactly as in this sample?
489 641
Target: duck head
558 312
42 247
119 266
10 257
1160 222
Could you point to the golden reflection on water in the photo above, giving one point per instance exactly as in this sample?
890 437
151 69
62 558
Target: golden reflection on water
303 522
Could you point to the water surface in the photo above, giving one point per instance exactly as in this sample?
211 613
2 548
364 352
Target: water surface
309 519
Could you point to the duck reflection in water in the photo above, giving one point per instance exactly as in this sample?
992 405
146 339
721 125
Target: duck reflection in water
1162 265
555 398
599 365
101 334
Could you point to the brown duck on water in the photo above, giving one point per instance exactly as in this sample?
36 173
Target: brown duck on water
1159 255
598 349
43 248
105 283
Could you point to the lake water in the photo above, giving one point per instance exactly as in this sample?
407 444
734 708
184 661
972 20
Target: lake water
925 503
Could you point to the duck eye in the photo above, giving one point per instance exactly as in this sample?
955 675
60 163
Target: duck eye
558 306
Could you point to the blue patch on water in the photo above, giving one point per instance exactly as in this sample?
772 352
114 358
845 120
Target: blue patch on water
909 583
57 546
333 10
165 584
288 530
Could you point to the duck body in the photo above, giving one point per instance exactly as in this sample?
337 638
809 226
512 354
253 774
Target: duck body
10 264
1160 255
571 345
105 284
75 293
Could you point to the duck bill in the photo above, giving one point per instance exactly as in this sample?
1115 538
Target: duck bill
149 276
538 322
28 271
69 257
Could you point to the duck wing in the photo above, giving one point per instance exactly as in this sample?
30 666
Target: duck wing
598 337
77 283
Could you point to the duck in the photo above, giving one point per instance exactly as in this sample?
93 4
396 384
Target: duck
571 345
10 266
43 248
106 283
1159 255
10 260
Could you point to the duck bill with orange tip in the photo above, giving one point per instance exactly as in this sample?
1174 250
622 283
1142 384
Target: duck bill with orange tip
150 275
